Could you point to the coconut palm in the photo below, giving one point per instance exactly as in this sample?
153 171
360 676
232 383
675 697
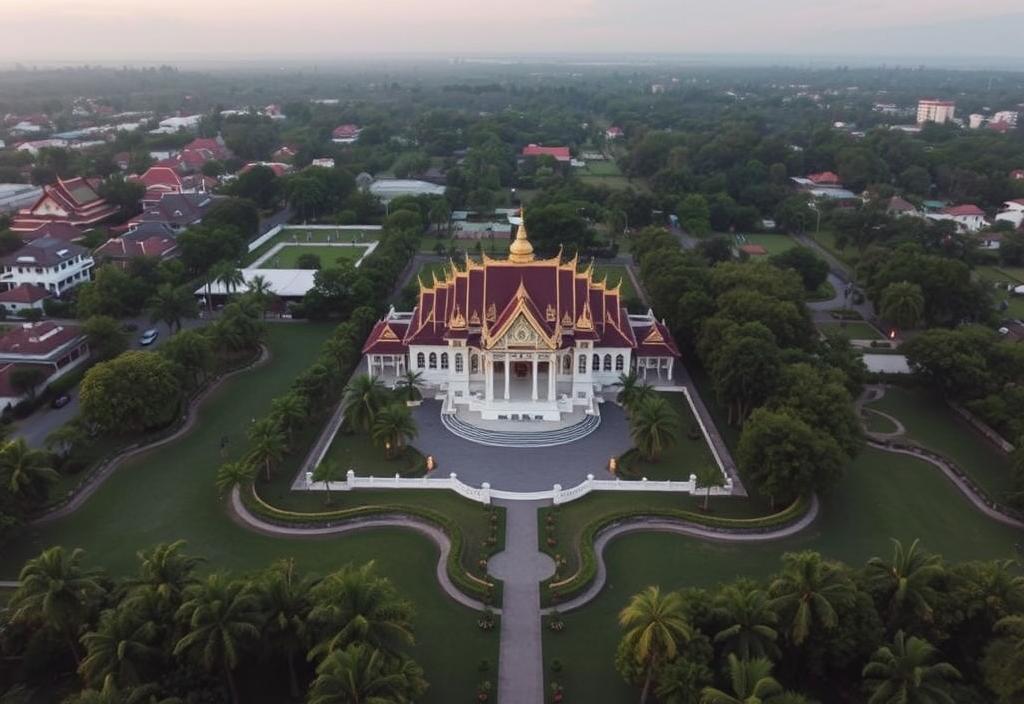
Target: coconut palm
364 396
170 304
261 292
268 444
751 631
166 571
289 411
906 672
360 674
806 594
328 471
905 582
708 476
656 628
221 619
628 382
355 605
393 428
57 593
26 472
751 682
654 426
408 385
122 644
232 474
228 275
902 303
286 600
111 694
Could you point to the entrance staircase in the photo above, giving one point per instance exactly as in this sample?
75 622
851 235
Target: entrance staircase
521 438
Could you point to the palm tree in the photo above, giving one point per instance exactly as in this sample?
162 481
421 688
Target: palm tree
232 474
408 385
259 288
708 476
268 444
393 427
26 471
355 605
170 304
751 633
286 602
229 276
628 382
906 581
57 593
166 571
654 426
364 396
221 618
328 471
906 673
902 303
751 681
656 628
122 644
361 674
110 694
289 411
807 592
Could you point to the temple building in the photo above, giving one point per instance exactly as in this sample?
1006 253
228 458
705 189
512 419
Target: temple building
74 202
520 338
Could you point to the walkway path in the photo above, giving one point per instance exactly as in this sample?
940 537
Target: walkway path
244 517
683 378
521 567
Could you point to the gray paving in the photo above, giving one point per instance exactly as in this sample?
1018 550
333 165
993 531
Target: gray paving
523 469
521 567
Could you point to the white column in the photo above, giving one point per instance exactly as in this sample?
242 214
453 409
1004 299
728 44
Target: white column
533 396
508 363
552 362
369 365
488 377
671 362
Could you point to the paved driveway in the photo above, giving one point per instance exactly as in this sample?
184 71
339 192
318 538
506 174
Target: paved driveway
526 469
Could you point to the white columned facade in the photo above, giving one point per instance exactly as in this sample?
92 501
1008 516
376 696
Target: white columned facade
533 396
551 376
488 377
508 363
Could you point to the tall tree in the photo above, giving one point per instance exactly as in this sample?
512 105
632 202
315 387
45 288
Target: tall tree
654 427
122 647
751 620
902 304
269 444
232 474
807 592
751 681
393 428
656 629
364 396
361 674
287 599
26 472
906 672
170 304
105 337
905 584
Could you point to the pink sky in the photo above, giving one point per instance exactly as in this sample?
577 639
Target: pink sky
101 30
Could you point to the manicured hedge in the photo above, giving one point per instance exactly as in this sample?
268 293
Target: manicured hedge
587 557
458 571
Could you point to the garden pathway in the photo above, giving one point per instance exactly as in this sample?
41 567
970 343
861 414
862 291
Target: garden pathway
521 567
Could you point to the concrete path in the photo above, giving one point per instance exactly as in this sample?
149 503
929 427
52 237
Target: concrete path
683 378
521 567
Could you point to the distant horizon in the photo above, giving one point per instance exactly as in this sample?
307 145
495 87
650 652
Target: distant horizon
943 33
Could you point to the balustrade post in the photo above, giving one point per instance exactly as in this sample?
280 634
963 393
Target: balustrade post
485 492
557 497
309 480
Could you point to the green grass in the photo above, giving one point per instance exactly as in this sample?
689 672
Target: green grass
608 167
827 239
682 459
877 423
614 274
169 494
999 277
882 496
606 174
934 425
854 329
775 244
302 234
288 257
356 451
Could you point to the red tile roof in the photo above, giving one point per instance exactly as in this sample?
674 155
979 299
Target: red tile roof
825 178
37 339
754 250
347 131
24 293
964 210
559 153
63 231
7 389
123 248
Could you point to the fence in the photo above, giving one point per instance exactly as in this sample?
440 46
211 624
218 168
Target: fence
485 493
275 231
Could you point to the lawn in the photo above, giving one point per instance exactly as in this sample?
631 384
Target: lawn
613 275
606 174
934 425
853 329
882 496
682 459
775 244
302 234
356 451
288 257
827 239
169 494
1000 277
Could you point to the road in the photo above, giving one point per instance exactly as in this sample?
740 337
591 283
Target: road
40 424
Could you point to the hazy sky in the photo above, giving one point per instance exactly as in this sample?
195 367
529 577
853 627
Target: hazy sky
134 30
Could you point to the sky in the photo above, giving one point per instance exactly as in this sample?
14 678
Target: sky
84 31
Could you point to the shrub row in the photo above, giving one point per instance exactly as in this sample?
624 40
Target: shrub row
587 556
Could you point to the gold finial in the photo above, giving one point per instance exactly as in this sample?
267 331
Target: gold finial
521 251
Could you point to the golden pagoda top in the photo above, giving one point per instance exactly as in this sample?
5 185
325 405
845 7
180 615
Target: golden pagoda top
521 251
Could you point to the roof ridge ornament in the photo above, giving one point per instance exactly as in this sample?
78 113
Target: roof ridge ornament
521 251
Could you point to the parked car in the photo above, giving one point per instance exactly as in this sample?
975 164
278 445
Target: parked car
60 400
149 337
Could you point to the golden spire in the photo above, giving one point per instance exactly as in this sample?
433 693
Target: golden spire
521 251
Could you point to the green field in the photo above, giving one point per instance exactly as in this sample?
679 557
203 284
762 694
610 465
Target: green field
169 494
311 236
827 239
775 244
1000 277
607 174
615 274
288 257
683 458
853 329
882 496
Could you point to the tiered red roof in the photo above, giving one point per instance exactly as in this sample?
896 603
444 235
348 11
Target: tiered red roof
74 202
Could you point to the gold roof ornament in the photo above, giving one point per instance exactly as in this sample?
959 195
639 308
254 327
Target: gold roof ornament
585 321
521 251
551 314
492 313
458 320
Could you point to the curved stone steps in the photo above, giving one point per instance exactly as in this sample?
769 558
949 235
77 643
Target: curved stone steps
539 438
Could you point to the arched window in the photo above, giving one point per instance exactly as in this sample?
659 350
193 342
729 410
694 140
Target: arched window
607 362
583 364
620 363
444 360
458 363
474 363
433 360
595 366
421 361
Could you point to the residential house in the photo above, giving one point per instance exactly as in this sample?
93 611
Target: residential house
65 232
560 154
346 134
1012 212
968 218
162 180
122 250
323 163
825 179
898 207
614 132
15 301
74 201
170 125
274 112
1017 175
174 212
54 348
277 167
285 153
50 263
